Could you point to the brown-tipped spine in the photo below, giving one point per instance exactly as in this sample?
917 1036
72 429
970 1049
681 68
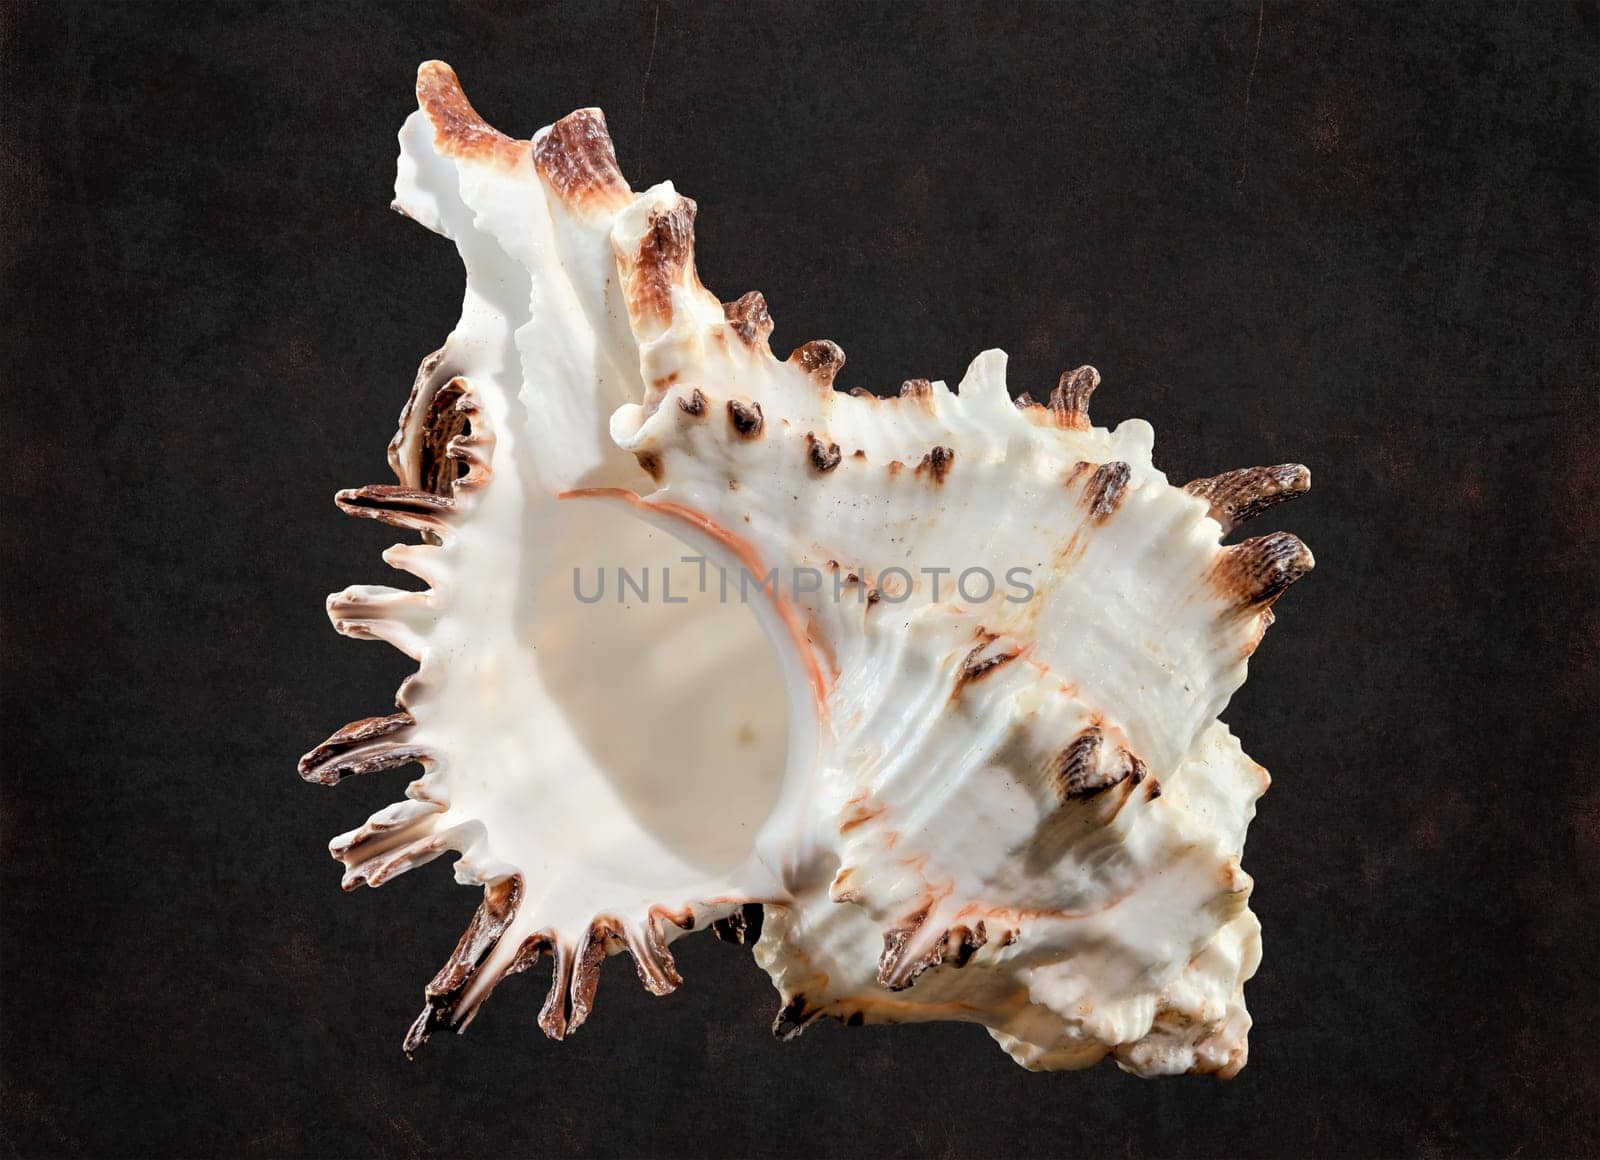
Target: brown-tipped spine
1253 574
653 961
749 319
895 969
388 861
956 946
937 463
980 661
443 445
1106 488
694 405
820 359
824 456
591 956
400 507
1077 772
458 131
359 747
445 993
1081 771
1070 400
576 158
386 832
745 417
556 1014
665 252
1238 496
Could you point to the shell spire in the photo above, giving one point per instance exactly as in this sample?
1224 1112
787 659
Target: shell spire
946 762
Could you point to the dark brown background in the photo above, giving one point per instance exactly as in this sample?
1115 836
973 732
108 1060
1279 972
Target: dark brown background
1361 237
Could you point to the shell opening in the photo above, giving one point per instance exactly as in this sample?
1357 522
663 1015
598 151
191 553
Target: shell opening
662 710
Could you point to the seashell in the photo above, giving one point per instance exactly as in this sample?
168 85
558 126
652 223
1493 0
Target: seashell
958 755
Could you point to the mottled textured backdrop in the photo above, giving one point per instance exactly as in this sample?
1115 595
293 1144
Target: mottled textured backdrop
1360 237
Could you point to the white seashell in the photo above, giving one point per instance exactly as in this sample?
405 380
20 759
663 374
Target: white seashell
948 801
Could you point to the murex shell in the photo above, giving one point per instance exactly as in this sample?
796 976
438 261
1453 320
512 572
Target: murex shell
920 796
